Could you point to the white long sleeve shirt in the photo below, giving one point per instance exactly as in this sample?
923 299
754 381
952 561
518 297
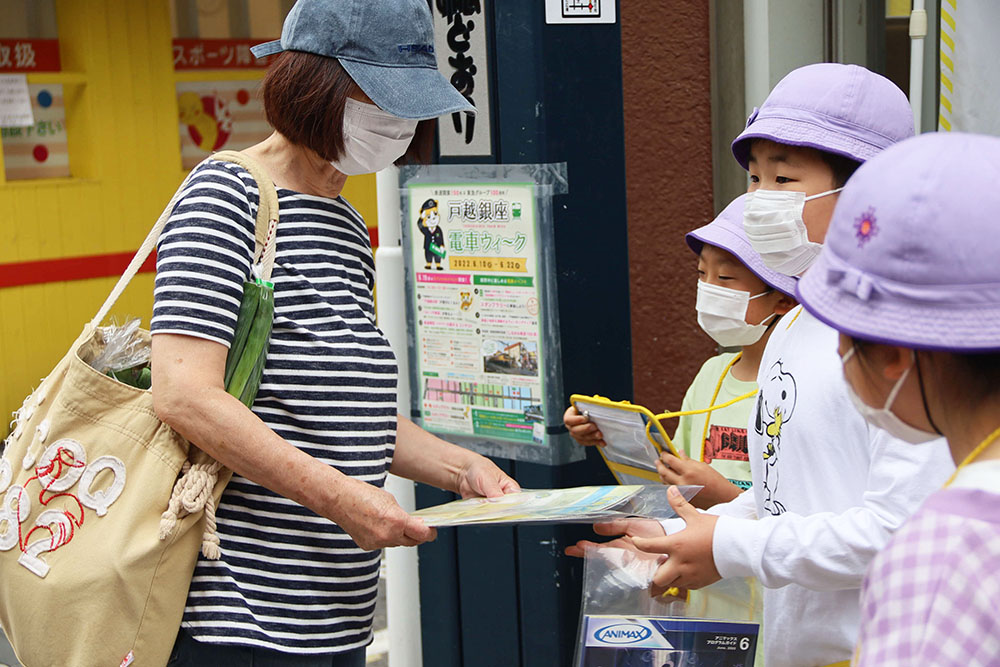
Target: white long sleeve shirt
828 491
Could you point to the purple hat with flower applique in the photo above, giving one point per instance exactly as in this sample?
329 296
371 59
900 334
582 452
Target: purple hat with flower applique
726 232
911 255
842 109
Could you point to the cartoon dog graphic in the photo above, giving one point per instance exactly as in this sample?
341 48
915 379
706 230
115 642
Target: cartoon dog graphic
775 406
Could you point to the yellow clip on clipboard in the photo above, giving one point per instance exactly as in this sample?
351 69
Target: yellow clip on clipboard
632 449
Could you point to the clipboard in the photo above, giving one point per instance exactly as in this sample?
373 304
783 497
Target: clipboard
634 436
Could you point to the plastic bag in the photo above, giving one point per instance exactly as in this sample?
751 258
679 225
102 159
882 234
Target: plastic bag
125 355
622 625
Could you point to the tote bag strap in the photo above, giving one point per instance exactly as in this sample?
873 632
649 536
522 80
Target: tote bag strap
264 236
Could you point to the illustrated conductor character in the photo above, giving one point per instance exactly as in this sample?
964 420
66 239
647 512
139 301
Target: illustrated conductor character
428 225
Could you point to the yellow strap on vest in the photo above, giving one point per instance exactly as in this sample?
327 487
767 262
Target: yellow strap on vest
842 663
684 413
980 448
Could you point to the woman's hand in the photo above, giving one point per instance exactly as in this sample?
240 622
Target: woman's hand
374 520
481 478
581 428
424 457
624 529
685 471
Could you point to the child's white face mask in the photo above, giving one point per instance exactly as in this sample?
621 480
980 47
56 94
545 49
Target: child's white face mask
722 314
773 222
373 139
884 417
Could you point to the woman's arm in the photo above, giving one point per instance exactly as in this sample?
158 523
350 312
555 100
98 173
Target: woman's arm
189 396
424 457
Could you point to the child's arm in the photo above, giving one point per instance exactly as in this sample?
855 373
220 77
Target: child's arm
831 551
684 470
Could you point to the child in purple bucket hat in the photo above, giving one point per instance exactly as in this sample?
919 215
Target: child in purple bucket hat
909 277
739 303
828 489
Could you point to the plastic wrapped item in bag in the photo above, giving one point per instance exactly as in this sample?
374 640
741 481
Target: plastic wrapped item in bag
581 504
623 626
125 355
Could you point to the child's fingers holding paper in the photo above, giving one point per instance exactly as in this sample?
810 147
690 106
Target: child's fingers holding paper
581 429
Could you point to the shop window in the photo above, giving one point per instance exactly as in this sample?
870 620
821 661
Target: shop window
217 77
29 46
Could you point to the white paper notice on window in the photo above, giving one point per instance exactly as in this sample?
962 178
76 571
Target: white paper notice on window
580 11
15 102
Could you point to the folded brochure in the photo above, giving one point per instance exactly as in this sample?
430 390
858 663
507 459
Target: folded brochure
583 504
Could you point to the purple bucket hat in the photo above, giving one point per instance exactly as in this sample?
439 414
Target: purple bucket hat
911 256
842 109
726 232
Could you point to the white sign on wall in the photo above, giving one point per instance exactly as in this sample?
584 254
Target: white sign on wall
580 11
460 32
15 103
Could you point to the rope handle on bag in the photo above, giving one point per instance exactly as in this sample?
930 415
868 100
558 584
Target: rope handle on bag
266 227
192 492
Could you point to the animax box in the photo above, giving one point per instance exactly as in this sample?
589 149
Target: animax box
649 641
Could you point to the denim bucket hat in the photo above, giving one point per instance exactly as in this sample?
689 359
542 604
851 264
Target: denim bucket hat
387 46
911 256
842 109
726 232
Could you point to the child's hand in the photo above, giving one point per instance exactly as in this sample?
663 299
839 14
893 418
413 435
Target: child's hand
581 429
685 471
690 562
626 529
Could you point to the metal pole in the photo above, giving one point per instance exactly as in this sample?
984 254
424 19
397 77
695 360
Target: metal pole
757 52
918 30
402 574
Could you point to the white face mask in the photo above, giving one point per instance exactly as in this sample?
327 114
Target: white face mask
722 314
772 220
884 418
373 139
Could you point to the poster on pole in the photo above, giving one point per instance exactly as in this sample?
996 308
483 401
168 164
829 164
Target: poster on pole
481 309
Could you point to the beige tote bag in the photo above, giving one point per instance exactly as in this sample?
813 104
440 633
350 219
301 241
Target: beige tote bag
105 507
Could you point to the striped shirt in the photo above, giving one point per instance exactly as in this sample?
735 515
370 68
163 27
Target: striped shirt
288 579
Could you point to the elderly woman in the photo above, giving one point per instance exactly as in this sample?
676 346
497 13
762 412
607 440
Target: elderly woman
354 89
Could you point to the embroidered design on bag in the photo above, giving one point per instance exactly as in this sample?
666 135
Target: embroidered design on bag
24 413
6 474
62 466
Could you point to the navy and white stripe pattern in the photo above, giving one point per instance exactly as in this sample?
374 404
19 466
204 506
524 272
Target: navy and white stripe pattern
288 579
